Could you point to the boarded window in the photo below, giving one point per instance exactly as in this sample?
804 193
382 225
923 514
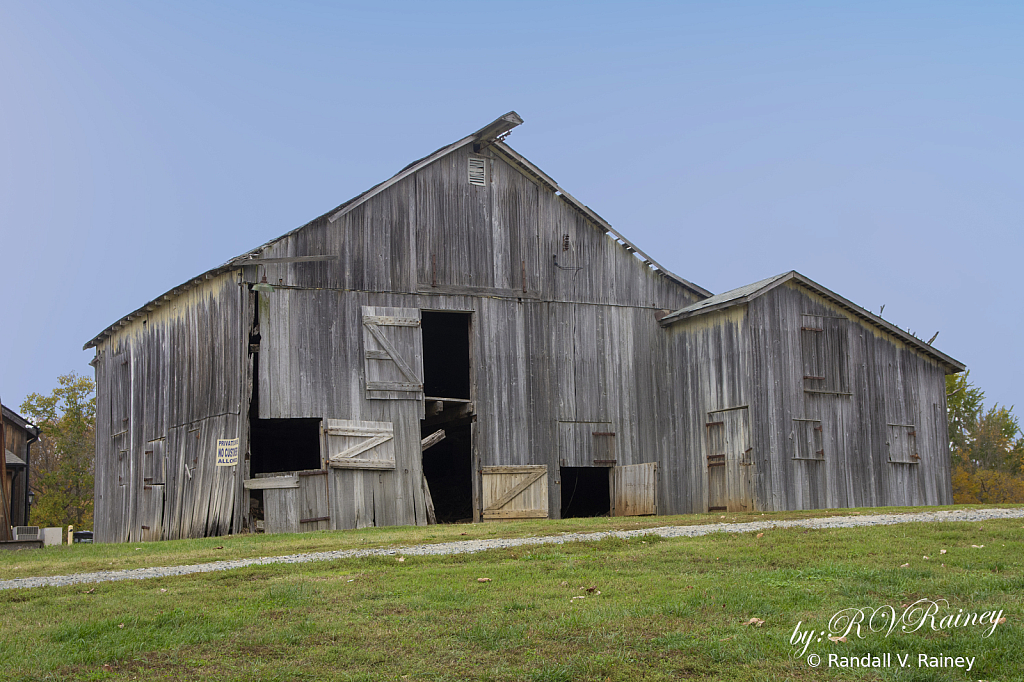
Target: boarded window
393 351
360 444
903 444
808 439
824 346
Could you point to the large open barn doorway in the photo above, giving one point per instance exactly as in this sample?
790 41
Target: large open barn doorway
585 492
448 464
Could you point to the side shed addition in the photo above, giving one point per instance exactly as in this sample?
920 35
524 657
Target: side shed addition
800 399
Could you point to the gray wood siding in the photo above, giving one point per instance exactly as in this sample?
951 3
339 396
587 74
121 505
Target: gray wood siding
177 374
710 365
890 383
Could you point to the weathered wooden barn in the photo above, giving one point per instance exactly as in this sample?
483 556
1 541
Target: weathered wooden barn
468 341
797 398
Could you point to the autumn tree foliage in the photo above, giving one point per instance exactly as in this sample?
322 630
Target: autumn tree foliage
986 446
61 473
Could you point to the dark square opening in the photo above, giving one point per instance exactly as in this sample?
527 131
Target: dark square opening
585 492
279 445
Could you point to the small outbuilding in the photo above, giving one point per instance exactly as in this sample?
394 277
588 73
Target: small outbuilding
796 398
467 341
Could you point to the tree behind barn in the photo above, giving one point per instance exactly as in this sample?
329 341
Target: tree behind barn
986 446
62 462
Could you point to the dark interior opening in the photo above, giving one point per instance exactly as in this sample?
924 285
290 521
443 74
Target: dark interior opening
277 445
284 445
446 354
585 492
448 467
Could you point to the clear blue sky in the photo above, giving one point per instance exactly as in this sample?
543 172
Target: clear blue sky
876 147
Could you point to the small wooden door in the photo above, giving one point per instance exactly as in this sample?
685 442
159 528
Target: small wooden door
514 492
152 513
635 490
393 353
730 461
314 511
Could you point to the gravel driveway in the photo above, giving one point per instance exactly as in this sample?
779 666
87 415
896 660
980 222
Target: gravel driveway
470 546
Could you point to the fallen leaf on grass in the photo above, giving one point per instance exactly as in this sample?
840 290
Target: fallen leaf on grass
401 559
220 547
163 589
1001 620
592 588
760 535
837 639
483 580
90 591
755 621
977 546
905 566
121 625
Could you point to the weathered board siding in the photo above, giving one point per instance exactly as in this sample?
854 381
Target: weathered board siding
169 385
709 370
827 396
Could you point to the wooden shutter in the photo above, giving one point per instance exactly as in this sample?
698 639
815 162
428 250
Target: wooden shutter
635 489
393 352
514 492
902 444
824 346
360 444
808 439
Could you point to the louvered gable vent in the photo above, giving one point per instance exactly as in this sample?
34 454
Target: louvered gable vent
477 171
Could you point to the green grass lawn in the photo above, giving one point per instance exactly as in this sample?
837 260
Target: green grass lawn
667 609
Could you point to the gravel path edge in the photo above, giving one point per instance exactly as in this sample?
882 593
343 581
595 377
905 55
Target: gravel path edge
473 546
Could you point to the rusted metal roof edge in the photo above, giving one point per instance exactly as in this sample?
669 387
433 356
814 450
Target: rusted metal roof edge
835 298
527 165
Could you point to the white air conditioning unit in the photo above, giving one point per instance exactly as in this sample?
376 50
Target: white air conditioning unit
26 533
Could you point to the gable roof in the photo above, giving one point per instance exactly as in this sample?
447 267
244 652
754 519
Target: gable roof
745 294
491 135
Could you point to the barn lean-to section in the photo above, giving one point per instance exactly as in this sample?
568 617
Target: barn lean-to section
830 405
463 341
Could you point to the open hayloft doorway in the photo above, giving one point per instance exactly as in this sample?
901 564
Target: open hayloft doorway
447 385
